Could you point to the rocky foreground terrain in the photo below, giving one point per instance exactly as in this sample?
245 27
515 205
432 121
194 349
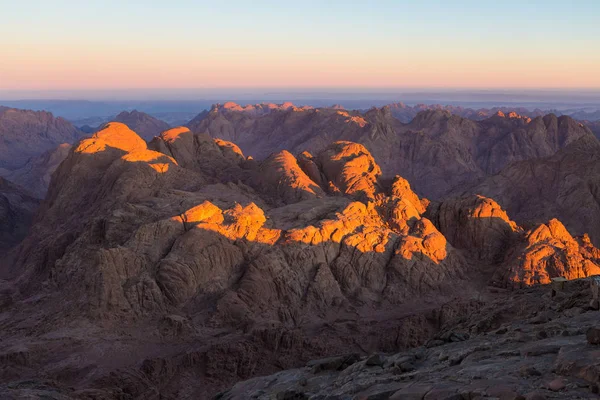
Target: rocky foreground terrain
524 345
178 267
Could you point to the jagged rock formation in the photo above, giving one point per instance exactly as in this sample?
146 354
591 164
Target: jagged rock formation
201 266
143 124
36 174
367 258
25 134
16 212
437 151
550 251
481 227
565 185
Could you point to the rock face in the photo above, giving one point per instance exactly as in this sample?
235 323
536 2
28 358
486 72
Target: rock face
16 212
176 267
476 224
25 134
550 251
481 227
36 174
437 151
143 124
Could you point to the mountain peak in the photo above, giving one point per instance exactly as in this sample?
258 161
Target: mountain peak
144 124
113 134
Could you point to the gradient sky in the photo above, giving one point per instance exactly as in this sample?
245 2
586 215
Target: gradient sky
62 44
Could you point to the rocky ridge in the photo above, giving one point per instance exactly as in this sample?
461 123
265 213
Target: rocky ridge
437 151
25 134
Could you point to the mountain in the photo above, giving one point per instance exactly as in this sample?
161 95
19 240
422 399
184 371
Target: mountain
17 208
594 127
25 134
406 113
178 267
565 185
145 125
437 151
36 173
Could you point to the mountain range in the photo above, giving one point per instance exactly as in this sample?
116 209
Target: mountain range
176 267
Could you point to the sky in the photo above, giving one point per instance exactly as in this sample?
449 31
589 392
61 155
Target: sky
132 44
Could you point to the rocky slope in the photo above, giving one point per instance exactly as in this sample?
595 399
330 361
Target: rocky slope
437 151
25 134
594 127
175 268
36 173
527 345
17 208
145 125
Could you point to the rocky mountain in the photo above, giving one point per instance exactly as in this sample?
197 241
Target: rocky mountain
145 125
25 134
437 151
36 173
177 267
17 208
565 185
594 127
406 113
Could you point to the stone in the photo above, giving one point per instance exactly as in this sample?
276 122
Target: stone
528 370
375 360
593 336
332 363
535 396
556 385
412 392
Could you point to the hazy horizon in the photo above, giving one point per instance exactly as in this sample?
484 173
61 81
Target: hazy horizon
68 45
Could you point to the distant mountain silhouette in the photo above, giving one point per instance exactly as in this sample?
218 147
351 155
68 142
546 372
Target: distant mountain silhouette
25 134
145 125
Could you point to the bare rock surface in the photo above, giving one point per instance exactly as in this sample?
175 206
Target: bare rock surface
498 352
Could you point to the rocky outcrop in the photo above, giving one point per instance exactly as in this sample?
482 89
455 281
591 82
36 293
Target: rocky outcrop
25 134
281 176
143 124
476 224
549 251
350 168
479 226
